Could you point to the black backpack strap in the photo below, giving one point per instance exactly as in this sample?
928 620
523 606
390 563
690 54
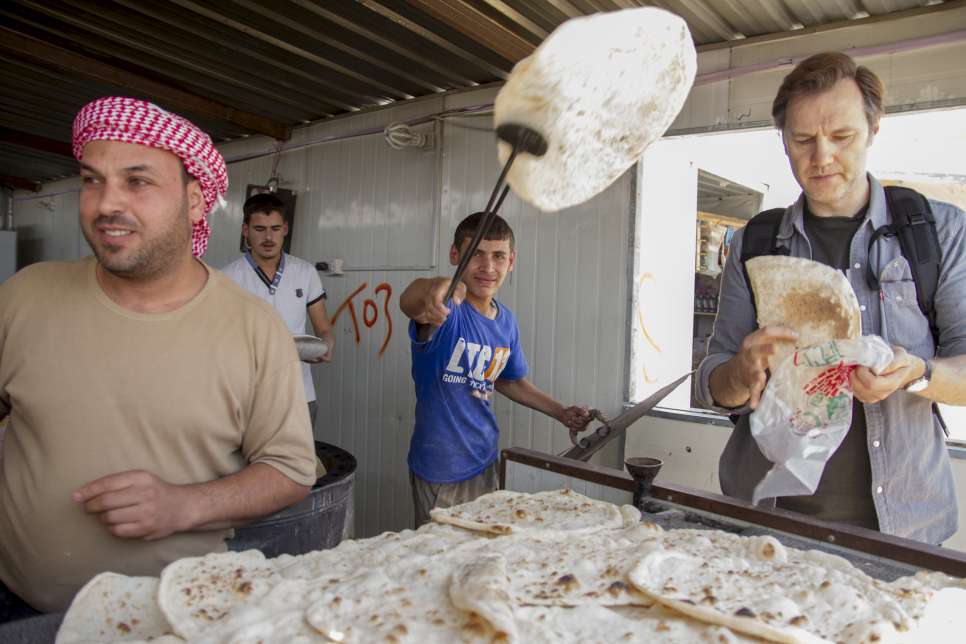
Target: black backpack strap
914 226
760 237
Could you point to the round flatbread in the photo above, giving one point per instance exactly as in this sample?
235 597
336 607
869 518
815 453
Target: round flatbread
577 569
760 588
114 608
624 624
599 89
310 347
815 300
404 602
480 585
504 512
196 593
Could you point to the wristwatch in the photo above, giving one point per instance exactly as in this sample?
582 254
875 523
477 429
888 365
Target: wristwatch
922 382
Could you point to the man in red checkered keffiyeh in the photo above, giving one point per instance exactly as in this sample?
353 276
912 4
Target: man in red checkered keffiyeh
163 405
129 120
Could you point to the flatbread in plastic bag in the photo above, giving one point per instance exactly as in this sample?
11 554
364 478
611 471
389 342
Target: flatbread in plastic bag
806 410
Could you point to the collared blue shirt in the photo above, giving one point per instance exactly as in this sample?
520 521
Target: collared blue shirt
912 481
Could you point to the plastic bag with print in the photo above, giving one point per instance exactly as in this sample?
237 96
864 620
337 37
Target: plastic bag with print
806 410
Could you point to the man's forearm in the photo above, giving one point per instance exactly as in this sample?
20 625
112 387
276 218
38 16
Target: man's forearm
236 499
947 384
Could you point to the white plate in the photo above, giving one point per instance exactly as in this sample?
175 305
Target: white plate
310 347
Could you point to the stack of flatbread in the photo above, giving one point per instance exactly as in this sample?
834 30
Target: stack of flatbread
510 567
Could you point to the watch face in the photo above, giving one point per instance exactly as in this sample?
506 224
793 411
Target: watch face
917 385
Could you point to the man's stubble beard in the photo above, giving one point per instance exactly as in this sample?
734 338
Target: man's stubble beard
155 256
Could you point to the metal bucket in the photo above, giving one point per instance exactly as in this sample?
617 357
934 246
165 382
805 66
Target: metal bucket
319 521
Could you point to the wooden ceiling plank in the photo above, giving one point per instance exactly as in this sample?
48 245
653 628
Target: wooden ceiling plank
74 62
35 142
386 12
19 183
477 26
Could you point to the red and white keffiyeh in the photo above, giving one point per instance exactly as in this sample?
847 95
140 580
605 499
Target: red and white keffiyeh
118 118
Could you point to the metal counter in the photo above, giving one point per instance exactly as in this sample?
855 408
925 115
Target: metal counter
671 506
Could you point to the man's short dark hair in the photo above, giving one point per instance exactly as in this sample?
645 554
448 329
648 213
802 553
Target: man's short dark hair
265 203
820 73
499 230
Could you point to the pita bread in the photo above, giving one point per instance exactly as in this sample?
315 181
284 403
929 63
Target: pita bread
278 616
349 557
628 625
632 516
405 602
798 600
815 300
600 89
481 586
310 347
197 592
114 608
577 570
504 512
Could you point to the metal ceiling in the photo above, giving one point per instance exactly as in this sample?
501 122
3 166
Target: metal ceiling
242 67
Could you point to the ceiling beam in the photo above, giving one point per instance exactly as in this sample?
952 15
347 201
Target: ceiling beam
427 34
519 18
19 183
478 26
35 142
71 61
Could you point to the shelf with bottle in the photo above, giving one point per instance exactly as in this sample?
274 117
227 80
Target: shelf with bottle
705 302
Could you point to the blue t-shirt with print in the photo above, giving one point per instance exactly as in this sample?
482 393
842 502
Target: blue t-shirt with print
456 435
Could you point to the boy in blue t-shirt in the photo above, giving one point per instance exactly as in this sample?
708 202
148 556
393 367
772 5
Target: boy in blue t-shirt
461 353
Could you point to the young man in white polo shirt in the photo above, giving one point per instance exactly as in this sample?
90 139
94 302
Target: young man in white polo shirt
288 283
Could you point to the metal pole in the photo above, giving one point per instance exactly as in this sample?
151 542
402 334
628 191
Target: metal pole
484 226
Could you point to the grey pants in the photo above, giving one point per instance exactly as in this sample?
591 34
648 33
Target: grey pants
427 496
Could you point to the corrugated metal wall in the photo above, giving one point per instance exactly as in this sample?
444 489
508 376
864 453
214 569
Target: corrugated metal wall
370 205
47 225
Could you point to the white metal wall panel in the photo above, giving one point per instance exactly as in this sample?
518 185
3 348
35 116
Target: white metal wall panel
47 225
923 76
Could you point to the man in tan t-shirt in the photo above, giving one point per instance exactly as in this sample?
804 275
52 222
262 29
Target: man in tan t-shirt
152 403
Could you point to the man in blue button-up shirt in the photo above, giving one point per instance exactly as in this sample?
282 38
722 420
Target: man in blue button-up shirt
892 471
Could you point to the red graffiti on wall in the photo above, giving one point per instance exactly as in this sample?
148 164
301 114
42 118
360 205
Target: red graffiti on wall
370 312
